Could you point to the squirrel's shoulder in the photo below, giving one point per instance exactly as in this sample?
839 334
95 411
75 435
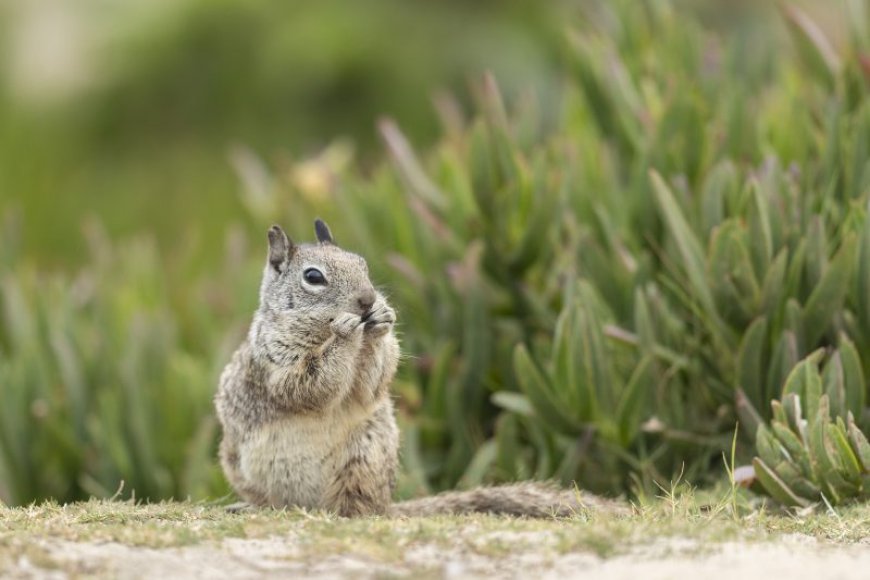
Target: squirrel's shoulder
240 367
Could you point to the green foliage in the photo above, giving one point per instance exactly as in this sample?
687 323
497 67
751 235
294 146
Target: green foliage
595 293
813 450
99 388
656 290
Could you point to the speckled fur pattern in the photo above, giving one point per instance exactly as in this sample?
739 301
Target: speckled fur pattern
305 405
529 499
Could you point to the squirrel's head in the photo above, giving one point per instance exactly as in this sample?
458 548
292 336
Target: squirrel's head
319 278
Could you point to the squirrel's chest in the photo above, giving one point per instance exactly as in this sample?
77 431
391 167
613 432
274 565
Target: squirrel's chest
290 461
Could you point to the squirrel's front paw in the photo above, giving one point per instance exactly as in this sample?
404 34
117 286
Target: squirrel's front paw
346 324
380 320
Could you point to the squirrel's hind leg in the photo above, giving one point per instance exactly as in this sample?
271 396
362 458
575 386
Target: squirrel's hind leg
365 469
229 459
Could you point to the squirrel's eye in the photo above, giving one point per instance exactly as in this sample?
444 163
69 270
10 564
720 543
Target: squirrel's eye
314 276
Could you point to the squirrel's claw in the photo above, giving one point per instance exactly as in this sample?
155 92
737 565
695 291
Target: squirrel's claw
380 320
345 324
239 507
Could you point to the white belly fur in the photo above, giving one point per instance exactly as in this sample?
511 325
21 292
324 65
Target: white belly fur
291 460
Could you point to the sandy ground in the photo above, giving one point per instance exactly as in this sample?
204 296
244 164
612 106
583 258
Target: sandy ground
794 557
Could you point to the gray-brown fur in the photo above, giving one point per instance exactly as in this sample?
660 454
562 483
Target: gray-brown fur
531 499
305 405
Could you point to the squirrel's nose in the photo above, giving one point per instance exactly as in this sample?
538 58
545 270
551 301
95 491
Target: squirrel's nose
365 300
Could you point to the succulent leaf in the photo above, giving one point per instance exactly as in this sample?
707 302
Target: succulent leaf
859 444
775 486
536 387
750 357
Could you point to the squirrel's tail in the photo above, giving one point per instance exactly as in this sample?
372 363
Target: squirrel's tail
533 500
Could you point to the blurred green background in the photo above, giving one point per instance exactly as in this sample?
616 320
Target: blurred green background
127 110
611 230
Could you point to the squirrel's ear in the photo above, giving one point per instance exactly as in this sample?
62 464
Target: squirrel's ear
321 230
280 247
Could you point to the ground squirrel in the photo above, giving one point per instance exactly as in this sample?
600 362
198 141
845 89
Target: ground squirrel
305 404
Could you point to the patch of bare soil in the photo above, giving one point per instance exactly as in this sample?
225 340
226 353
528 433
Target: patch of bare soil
500 555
